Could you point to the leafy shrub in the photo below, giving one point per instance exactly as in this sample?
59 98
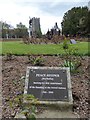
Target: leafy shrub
28 111
38 61
69 64
73 65
70 60
65 44
35 60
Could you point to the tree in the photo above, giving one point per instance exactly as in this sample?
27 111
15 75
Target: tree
6 30
21 30
75 21
88 24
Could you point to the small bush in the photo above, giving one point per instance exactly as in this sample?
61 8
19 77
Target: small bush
73 65
70 59
69 64
36 61
65 44
30 110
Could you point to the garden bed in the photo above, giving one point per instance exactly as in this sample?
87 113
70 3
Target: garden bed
14 71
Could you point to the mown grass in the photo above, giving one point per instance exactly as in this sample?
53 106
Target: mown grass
19 48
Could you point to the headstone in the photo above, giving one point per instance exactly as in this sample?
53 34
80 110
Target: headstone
49 83
72 41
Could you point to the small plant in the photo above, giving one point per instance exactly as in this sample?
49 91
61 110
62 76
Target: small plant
69 64
65 44
30 58
30 110
35 60
73 65
38 61
70 60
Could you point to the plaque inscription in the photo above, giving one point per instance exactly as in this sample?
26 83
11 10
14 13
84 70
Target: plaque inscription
48 84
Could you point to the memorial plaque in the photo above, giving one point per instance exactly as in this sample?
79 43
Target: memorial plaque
48 83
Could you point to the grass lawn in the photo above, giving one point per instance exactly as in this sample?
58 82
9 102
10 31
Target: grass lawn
19 48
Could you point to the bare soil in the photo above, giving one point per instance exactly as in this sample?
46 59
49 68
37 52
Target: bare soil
14 70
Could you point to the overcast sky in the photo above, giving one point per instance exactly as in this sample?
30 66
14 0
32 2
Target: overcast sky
15 11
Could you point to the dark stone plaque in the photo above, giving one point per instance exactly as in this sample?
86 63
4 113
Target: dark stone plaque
48 84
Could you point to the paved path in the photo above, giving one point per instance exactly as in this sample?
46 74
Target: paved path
0 87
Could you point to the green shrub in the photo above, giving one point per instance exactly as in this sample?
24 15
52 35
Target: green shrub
65 44
73 65
70 59
36 61
69 64
28 111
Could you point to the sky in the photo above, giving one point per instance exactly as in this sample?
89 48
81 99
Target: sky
49 11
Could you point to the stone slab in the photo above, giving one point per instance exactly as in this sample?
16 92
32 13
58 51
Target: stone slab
57 114
62 102
52 114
